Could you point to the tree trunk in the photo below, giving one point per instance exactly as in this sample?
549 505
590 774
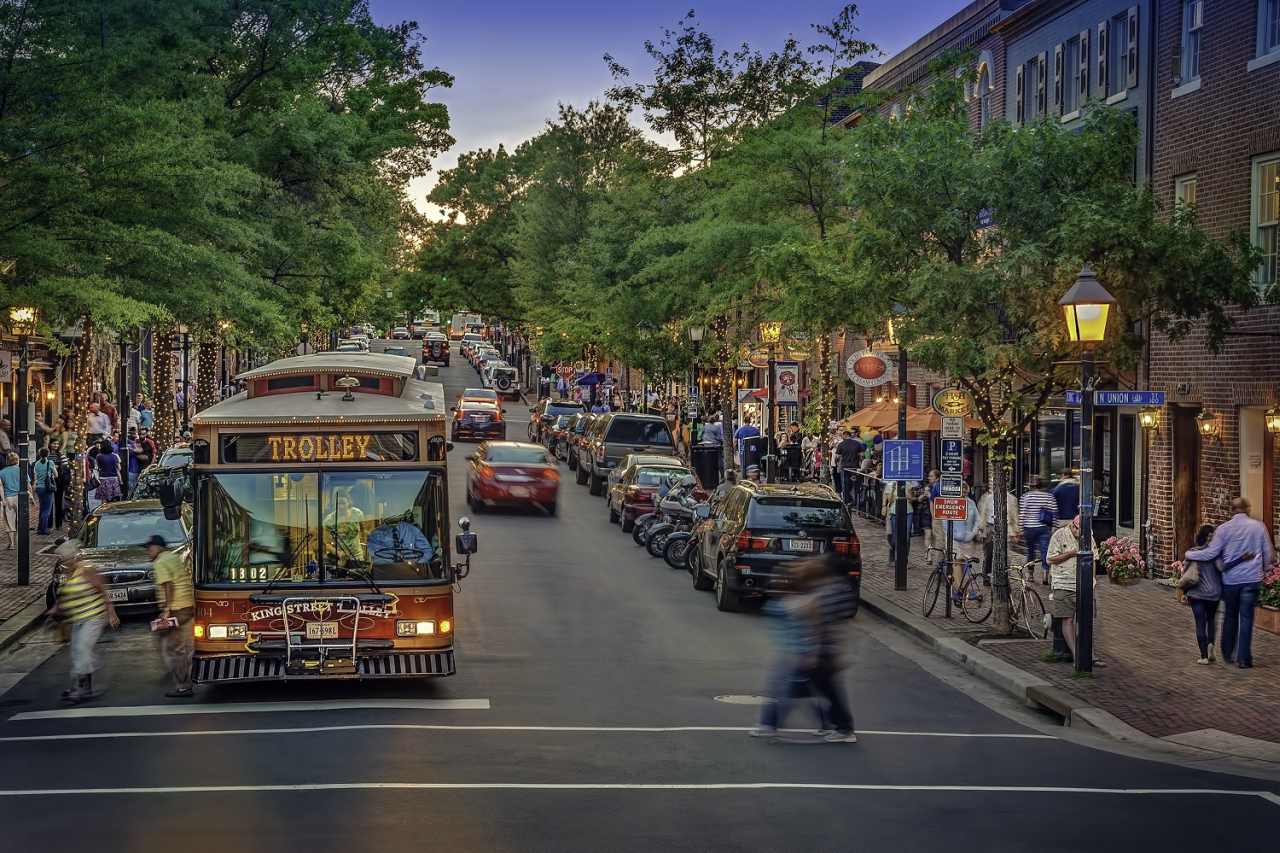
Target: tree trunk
1000 541
162 398
81 393
206 375
726 421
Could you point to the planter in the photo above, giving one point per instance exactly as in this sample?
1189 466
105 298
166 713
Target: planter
1123 581
1267 618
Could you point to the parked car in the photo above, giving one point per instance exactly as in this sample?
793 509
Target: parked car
503 378
400 333
484 357
148 482
632 495
742 551
469 342
547 410
510 473
616 434
483 395
480 420
352 345
435 348
111 540
578 426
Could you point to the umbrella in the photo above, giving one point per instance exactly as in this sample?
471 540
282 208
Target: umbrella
877 416
590 379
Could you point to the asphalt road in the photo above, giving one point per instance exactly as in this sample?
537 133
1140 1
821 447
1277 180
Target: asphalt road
589 721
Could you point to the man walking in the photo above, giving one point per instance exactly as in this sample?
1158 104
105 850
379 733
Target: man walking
83 602
178 601
1243 544
1037 512
1067 495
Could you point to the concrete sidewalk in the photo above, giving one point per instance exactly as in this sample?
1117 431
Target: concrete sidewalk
1151 685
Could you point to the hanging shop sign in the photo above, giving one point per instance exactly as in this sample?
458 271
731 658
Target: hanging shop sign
953 403
868 369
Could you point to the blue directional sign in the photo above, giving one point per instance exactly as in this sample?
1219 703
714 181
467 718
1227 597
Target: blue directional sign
1119 398
904 460
952 457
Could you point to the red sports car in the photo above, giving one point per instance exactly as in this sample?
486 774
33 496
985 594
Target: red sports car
512 473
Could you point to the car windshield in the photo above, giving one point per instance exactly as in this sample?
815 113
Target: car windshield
130 529
563 408
479 394
529 455
562 421
796 512
340 528
655 476
631 431
176 457
504 371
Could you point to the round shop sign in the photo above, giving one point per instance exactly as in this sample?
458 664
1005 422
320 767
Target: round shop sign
953 403
868 369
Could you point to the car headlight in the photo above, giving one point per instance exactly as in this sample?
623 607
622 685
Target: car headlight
415 628
234 631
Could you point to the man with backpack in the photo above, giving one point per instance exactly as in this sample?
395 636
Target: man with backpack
45 477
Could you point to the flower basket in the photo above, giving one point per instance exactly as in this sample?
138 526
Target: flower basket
1267 616
1120 559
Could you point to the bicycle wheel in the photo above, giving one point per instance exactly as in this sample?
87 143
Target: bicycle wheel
1033 614
975 599
931 589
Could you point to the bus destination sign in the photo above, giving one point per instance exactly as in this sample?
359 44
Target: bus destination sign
320 447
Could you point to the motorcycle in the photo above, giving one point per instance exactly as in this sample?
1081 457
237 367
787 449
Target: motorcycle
677 516
678 552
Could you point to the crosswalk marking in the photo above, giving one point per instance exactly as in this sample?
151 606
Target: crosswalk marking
256 708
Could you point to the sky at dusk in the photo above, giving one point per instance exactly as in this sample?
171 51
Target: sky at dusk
514 60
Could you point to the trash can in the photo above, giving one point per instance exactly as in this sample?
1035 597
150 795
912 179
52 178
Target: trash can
753 453
706 459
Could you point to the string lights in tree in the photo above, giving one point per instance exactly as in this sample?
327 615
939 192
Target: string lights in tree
166 417
81 393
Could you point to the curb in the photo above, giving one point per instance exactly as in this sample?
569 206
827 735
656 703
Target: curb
21 623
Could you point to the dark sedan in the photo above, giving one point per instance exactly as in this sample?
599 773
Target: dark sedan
111 541
477 420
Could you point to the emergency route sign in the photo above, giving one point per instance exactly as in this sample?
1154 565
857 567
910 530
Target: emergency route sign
949 509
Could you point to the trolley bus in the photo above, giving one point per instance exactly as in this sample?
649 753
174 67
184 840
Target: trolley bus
321 522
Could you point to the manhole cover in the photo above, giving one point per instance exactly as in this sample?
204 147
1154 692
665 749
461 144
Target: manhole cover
743 699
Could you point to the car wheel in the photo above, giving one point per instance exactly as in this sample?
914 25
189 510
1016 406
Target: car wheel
727 601
552 508
701 580
597 485
613 514
581 477
628 524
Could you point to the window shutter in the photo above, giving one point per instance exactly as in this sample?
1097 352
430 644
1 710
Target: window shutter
1131 55
1102 59
1042 68
1020 110
1084 69
1057 80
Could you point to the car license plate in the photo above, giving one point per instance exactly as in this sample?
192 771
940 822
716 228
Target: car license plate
800 545
322 630
519 492
118 594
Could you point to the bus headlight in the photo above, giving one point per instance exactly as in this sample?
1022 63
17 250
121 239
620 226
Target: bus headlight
415 628
236 631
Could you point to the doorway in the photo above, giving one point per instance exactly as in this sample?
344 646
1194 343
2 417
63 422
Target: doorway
1257 465
1186 478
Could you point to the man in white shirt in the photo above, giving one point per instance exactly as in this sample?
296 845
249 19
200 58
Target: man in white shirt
99 423
1064 548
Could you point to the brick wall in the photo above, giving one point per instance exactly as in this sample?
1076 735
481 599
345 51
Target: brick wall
1214 132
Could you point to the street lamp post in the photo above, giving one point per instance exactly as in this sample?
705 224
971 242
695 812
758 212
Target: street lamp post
1085 307
901 535
770 335
22 320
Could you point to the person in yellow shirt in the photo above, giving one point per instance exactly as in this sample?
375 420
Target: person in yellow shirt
177 599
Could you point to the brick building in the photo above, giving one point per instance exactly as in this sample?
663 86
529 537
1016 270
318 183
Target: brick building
1217 146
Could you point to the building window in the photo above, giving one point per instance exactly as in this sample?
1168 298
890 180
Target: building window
984 98
1118 60
1192 19
1184 191
1266 215
1071 91
1268 27
1042 85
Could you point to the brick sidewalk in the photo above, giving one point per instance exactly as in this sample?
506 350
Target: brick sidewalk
14 598
1147 639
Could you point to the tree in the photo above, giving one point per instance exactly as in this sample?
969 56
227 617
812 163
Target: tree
978 236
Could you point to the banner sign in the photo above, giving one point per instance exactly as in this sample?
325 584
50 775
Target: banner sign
787 382
868 369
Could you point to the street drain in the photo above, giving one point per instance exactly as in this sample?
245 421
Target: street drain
743 699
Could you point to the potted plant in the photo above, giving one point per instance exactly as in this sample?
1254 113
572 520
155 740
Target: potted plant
1268 613
1121 560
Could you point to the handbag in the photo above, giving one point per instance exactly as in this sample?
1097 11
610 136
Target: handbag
1190 576
1047 516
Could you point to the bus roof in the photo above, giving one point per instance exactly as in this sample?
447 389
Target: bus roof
370 364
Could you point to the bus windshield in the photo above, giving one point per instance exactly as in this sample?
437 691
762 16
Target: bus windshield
332 528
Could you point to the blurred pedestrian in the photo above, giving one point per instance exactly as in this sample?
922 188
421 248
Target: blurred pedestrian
84 604
9 489
1244 546
836 604
798 636
1037 512
177 601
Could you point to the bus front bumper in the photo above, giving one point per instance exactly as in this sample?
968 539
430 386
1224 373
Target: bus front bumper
242 668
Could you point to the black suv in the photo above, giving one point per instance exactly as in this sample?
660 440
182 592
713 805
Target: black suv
613 436
742 550
435 347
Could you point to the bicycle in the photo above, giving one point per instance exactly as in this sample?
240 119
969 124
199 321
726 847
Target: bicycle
959 593
1026 607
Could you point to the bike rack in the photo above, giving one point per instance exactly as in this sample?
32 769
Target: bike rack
322 645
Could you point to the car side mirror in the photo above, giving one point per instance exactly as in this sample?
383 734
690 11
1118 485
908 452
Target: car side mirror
172 491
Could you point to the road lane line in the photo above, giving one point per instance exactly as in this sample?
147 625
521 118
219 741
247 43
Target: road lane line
461 728
257 708
1266 796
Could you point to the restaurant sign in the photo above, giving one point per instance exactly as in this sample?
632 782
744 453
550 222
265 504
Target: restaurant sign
953 403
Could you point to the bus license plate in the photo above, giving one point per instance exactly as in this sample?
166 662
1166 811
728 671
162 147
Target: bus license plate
322 630
800 545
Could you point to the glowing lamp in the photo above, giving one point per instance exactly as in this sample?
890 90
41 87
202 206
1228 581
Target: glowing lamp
1207 424
1086 307
1149 418
22 320
1272 418
770 331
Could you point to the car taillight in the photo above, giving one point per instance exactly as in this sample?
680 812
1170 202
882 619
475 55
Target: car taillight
845 545
747 542
484 470
551 473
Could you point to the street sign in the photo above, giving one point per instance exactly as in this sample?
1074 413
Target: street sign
952 402
951 487
566 370
1119 398
952 462
950 509
952 427
693 391
904 460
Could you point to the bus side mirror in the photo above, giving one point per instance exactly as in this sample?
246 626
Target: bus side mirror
172 492
466 542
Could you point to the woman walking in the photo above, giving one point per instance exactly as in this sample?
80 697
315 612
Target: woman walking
1201 582
45 476
107 466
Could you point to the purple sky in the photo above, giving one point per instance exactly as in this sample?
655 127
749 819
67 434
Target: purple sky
513 60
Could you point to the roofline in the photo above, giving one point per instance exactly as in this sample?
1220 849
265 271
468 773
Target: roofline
1027 14
975 10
